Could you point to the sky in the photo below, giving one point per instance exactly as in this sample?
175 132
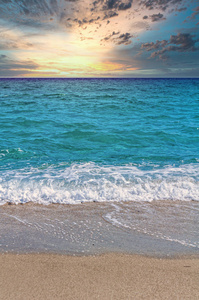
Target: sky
99 38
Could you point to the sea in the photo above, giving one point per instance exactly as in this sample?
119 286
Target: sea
127 147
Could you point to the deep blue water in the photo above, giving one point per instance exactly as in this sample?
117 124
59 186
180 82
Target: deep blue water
71 140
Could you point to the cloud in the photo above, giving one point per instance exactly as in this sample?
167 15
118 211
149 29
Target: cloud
7 63
182 42
181 9
152 46
185 41
53 15
85 21
11 67
13 40
2 57
33 13
157 17
13 45
67 15
110 36
110 14
115 4
193 15
159 4
34 7
122 39
124 6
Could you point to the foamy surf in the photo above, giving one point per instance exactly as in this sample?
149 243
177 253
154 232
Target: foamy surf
90 182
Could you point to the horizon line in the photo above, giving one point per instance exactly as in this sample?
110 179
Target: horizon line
99 78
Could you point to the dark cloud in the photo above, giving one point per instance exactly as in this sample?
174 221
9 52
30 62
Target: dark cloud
95 4
194 15
157 17
124 38
10 67
153 46
14 73
49 14
117 4
37 7
185 41
124 6
110 36
86 21
32 13
159 4
183 65
108 5
182 42
2 57
110 14
181 9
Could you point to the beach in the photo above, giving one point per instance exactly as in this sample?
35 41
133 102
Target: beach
73 252
109 276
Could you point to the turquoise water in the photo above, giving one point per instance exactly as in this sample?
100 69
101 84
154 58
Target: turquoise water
79 140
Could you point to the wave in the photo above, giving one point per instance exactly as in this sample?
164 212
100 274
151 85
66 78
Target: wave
88 182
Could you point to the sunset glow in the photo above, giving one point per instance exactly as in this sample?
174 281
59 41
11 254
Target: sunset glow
111 38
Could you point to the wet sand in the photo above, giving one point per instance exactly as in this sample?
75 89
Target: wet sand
155 229
76 252
109 276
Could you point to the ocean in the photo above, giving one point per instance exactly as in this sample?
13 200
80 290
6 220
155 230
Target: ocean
125 143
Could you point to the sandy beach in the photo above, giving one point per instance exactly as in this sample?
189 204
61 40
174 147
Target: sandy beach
73 252
108 276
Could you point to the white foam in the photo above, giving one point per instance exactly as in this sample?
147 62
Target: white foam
91 182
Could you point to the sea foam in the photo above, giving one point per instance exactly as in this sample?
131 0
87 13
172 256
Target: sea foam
88 182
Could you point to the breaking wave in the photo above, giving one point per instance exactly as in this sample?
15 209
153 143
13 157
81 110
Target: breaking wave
88 182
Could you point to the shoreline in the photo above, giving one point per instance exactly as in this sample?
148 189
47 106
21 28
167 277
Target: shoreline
97 228
107 276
